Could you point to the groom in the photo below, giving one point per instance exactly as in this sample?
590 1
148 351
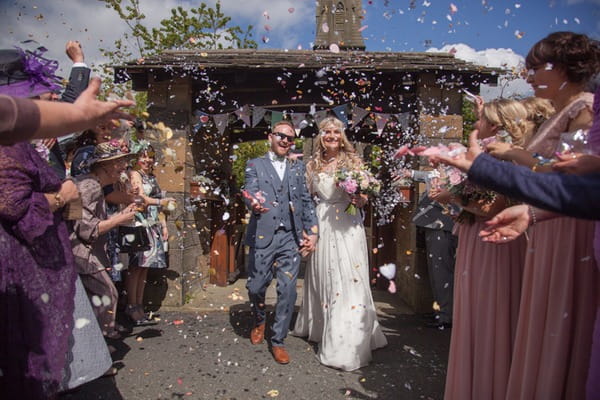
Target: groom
283 226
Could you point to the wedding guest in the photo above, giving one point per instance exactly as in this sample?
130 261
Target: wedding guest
41 349
24 119
558 306
337 309
435 220
483 330
538 110
283 226
143 179
89 239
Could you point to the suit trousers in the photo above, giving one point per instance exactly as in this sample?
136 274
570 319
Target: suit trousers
441 253
282 260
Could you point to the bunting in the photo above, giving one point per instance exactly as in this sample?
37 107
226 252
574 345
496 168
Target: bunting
252 116
221 121
243 113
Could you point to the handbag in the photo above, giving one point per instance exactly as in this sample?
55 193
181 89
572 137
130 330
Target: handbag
132 239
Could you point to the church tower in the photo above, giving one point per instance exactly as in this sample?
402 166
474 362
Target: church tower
339 22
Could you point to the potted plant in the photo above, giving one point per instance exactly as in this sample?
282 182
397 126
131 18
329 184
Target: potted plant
201 187
404 187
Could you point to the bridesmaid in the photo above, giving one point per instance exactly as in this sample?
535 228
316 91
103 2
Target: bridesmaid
560 281
487 279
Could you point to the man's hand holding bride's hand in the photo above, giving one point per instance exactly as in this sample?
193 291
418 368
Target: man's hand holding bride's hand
308 244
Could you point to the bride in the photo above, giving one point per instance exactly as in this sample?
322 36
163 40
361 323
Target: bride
337 310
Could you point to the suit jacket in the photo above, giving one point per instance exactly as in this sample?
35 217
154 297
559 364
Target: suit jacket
430 214
262 177
78 82
571 195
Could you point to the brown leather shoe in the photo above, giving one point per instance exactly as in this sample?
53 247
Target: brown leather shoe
257 334
280 354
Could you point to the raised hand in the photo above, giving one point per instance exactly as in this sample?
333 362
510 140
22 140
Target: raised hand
462 161
507 225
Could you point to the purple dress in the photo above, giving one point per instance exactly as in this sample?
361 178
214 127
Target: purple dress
37 278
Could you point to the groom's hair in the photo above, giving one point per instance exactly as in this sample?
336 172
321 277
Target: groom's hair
283 122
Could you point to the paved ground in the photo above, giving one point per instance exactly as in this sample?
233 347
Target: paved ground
203 352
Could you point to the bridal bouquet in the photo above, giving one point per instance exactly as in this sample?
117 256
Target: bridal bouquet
354 182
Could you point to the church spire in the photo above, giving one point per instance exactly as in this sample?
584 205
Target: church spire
339 21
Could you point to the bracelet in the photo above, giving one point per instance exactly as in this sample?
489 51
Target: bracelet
532 215
59 202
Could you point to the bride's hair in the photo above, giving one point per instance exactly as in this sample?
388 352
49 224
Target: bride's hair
347 156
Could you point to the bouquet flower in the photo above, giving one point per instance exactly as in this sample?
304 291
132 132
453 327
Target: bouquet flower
355 182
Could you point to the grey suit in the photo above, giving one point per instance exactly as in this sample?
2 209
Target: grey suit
440 248
274 237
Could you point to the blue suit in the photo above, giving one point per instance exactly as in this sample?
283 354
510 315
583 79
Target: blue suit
274 237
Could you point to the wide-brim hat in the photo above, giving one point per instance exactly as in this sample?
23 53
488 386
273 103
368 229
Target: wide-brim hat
27 73
108 151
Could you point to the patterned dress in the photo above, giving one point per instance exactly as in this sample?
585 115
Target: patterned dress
155 257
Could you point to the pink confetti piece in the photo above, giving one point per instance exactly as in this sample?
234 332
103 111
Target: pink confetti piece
334 48
291 10
362 28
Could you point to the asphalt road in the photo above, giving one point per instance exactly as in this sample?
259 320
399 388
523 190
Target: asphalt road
196 355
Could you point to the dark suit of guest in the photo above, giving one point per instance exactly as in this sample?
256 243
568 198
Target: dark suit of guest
274 236
78 82
570 195
440 249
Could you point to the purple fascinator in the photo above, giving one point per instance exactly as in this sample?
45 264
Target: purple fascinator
27 73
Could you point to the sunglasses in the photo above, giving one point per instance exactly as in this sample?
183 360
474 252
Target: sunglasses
282 136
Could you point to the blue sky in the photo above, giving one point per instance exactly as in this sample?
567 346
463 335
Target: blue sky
392 25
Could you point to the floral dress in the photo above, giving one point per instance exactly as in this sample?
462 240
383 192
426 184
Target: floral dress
155 257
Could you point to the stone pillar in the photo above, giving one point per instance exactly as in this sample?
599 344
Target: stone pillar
170 103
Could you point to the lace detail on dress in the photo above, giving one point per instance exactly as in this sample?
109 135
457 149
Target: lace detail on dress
547 137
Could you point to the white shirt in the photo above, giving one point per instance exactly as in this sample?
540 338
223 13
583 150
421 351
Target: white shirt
278 164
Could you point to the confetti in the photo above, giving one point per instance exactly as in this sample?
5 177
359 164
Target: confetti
273 393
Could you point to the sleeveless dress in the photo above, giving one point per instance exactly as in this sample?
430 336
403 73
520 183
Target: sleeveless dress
337 309
487 290
155 257
559 295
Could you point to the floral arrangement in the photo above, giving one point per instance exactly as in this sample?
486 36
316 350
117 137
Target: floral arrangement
206 184
355 182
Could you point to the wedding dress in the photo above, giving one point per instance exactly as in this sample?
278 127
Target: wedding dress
337 309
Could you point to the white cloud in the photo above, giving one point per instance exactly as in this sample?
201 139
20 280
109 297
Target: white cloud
495 58
53 23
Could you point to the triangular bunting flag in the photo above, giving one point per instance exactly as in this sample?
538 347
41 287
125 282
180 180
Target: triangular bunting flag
341 113
221 121
276 116
243 113
258 113
381 121
358 114
403 120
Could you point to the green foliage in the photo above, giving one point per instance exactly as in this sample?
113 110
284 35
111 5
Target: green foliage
246 151
469 118
197 28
